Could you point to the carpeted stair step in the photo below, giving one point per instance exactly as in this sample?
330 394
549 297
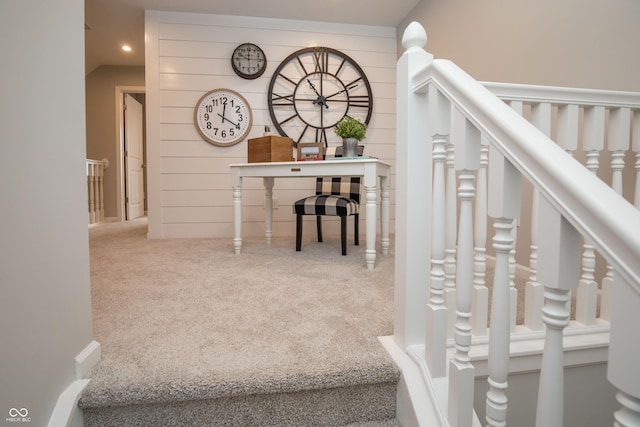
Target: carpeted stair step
338 400
368 403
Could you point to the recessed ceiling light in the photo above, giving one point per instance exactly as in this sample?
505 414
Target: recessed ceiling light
126 48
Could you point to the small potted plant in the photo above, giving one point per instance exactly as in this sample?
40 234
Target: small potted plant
351 131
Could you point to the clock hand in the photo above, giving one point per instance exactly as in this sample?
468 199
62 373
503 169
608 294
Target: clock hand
320 100
346 89
224 118
313 88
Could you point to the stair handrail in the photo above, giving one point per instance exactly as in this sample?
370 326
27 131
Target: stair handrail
563 95
588 203
570 192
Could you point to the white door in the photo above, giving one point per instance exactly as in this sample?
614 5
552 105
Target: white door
133 157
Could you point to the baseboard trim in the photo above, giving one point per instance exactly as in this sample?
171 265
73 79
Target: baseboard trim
414 401
66 412
87 359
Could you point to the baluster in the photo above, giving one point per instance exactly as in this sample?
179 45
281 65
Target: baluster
101 193
92 194
619 136
587 292
436 340
96 193
568 116
559 271
480 304
593 140
617 165
513 292
635 146
437 316
450 238
567 138
461 371
518 107
534 291
504 181
622 367
629 414
97 183
89 192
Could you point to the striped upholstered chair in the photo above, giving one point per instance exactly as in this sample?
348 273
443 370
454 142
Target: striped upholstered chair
335 197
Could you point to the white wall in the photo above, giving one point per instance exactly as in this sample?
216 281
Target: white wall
573 43
45 319
189 54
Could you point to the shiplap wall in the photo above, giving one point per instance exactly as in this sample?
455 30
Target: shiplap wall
189 184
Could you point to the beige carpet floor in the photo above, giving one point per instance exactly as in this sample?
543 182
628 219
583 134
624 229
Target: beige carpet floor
187 318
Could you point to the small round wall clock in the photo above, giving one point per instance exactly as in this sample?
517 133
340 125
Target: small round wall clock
223 117
248 61
312 89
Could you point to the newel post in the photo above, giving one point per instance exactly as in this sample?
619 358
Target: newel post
413 192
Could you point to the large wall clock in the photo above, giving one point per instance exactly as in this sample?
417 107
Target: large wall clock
312 89
223 117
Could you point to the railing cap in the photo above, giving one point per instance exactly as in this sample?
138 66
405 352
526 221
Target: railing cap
414 37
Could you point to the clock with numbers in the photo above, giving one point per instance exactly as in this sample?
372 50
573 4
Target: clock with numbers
248 61
312 89
223 117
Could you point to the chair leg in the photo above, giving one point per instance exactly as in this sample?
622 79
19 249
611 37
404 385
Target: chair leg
319 227
356 232
298 233
343 234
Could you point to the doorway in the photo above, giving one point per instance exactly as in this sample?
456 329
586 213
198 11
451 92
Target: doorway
131 159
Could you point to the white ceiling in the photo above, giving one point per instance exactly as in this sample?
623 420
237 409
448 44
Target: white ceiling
117 22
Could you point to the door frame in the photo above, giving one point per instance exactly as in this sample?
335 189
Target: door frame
120 170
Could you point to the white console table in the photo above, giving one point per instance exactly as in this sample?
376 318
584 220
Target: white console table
371 170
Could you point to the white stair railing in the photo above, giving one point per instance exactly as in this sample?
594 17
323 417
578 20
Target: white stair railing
583 122
95 189
575 212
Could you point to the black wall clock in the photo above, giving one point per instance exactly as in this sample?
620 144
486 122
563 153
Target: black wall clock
248 61
312 89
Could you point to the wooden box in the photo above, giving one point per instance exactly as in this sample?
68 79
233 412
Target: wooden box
270 149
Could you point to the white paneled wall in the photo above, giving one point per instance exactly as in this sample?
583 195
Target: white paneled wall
188 55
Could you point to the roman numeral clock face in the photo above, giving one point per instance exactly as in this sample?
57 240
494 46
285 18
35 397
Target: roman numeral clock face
312 89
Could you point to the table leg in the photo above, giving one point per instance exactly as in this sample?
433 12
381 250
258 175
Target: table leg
268 205
237 217
370 253
384 213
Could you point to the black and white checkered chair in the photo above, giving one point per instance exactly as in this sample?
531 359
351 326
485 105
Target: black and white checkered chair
335 196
